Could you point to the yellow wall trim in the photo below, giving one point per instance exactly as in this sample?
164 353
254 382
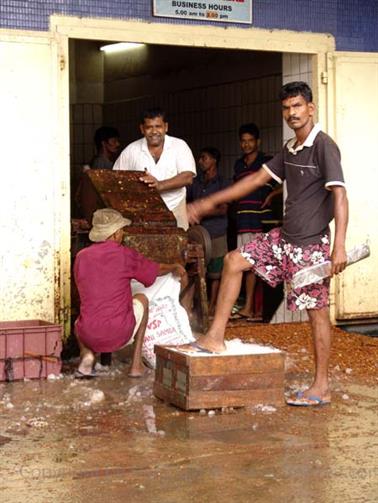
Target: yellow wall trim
192 35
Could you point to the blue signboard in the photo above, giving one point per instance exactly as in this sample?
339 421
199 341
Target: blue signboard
226 11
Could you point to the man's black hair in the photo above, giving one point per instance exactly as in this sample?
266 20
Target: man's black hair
104 133
152 113
214 152
251 129
293 89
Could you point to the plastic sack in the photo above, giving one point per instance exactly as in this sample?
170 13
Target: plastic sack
168 322
317 272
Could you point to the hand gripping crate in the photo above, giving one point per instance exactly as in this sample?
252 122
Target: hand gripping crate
207 381
29 349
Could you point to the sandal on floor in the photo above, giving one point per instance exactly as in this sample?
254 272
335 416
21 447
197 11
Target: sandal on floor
238 316
194 347
80 375
307 401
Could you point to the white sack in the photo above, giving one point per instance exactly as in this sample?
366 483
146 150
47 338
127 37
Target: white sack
168 322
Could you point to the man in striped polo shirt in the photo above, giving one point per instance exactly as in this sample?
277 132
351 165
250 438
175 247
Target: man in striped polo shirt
250 210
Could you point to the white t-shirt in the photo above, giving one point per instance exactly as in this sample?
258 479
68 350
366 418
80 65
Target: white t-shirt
175 158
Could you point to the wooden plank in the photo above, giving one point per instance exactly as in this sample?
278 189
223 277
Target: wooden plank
238 364
218 365
236 382
165 353
171 375
234 398
182 381
170 396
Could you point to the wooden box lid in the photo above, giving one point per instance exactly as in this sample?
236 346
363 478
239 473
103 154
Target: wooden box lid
202 364
123 191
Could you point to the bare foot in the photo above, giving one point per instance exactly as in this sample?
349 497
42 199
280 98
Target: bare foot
86 364
206 342
137 372
322 393
245 313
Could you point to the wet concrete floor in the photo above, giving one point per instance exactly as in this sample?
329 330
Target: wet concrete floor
110 440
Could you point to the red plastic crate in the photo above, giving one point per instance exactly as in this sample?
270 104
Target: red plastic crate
29 349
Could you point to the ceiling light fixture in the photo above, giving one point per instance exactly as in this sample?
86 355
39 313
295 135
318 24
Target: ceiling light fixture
121 46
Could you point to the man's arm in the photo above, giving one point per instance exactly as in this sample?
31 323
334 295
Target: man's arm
340 207
176 269
176 182
275 192
243 187
218 210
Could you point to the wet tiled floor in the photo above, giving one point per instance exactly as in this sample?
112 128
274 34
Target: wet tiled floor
110 439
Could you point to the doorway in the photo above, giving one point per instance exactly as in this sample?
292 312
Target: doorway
207 94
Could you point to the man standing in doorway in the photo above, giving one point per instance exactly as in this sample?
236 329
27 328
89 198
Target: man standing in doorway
107 141
310 164
250 212
207 182
167 162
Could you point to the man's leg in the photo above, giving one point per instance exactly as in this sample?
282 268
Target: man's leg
87 359
317 296
250 282
186 295
250 278
214 289
234 266
136 367
322 334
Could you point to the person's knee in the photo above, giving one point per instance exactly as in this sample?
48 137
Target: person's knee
143 299
319 317
233 262
318 314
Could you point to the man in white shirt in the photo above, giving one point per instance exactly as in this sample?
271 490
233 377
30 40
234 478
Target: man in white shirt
167 162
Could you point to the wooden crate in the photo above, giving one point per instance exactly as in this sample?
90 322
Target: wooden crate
192 381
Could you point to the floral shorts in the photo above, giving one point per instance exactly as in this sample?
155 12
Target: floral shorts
275 261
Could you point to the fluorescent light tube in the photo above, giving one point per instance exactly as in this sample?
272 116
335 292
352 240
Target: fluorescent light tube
121 46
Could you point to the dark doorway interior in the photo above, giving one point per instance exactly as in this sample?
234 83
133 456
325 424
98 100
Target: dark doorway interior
207 94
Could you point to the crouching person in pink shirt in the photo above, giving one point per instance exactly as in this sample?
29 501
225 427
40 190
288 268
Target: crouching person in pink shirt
110 316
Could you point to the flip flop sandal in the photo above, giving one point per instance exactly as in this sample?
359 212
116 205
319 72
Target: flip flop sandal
238 316
307 401
80 375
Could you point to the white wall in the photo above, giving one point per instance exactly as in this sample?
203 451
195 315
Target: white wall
29 243
353 114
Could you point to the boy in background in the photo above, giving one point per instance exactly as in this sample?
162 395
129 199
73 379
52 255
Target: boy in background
251 212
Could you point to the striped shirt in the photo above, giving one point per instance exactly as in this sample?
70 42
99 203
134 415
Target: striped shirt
250 217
